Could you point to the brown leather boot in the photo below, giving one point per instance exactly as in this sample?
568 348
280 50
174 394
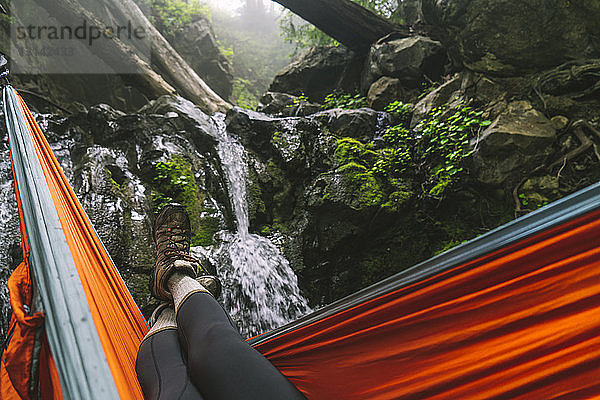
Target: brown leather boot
172 235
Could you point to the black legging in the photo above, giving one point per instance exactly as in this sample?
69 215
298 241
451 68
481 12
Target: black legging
220 364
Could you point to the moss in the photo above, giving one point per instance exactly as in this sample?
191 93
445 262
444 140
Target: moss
283 200
254 193
205 232
175 181
361 187
351 150
397 199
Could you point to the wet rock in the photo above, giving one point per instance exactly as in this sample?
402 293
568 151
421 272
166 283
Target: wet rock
294 143
513 36
317 72
407 59
384 91
286 105
539 191
517 141
445 94
350 186
197 45
359 124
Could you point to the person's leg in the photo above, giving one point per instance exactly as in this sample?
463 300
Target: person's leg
221 364
160 367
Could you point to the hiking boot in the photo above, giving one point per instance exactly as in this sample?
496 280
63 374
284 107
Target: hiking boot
172 235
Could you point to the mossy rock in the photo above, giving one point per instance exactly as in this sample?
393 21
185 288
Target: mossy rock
354 186
351 150
174 181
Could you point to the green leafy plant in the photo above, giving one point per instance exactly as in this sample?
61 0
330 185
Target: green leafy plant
174 181
302 34
302 99
399 108
175 14
435 150
242 95
346 101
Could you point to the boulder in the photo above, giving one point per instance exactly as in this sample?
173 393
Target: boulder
410 11
510 37
197 44
445 94
540 190
359 124
408 59
286 105
318 72
516 142
384 91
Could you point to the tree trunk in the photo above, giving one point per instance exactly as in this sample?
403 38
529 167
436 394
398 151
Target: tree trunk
175 68
115 52
112 52
350 24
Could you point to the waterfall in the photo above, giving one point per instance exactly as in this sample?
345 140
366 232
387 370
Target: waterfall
260 289
9 234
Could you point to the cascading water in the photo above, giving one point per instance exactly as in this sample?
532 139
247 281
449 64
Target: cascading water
260 289
9 233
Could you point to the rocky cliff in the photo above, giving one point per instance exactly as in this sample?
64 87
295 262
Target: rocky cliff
465 132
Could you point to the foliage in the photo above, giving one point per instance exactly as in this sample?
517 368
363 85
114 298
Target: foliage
346 101
369 189
304 34
175 14
299 100
399 109
432 155
174 181
227 51
242 95
426 88
435 151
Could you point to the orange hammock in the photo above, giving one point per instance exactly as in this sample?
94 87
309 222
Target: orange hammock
116 319
514 314
520 323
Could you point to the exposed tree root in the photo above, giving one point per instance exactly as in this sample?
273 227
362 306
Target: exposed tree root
586 143
568 79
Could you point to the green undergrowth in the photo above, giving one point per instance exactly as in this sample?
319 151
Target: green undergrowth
174 181
424 161
175 14
344 100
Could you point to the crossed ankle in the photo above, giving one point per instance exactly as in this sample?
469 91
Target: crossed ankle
183 286
165 320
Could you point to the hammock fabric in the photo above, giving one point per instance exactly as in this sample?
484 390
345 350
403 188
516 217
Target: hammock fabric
520 323
513 314
93 326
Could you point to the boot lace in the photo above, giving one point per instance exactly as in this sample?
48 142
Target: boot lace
172 243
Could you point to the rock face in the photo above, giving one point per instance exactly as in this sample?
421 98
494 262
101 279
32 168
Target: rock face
444 94
358 124
511 36
286 105
515 143
384 91
197 44
318 72
407 59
